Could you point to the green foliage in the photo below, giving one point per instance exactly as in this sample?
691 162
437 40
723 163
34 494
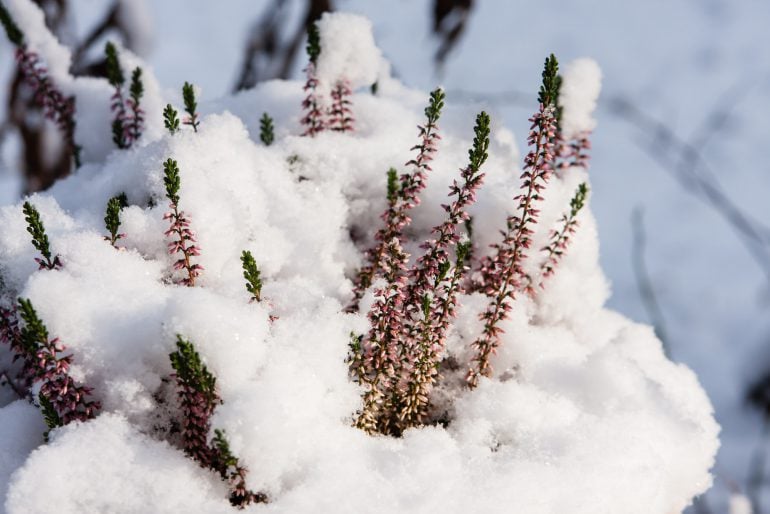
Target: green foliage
579 200
478 154
171 119
136 90
433 110
252 275
39 238
51 417
443 270
190 106
549 89
112 218
191 371
34 332
118 133
463 250
224 455
313 43
114 73
394 185
11 29
171 180
266 129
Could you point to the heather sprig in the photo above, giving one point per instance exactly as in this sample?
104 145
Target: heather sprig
112 220
56 107
136 91
382 356
312 105
503 273
396 216
171 119
266 133
190 106
117 102
50 416
67 399
340 117
184 242
234 473
40 238
252 275
560 238
11 334
432 293
198 397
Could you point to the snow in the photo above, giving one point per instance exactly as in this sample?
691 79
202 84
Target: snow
584 415
739 504
348 50
582 82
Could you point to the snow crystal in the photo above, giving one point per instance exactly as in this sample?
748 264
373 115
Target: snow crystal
581 83
348 50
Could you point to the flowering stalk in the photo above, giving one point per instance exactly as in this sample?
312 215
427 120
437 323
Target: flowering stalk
560 238
252 275
313 118
56 107
39 238
340 113
381 354
112 221
67 399
234 473
266 134
575 152
184 242
198 397
171 119
190 106
430 300
402 200
503 273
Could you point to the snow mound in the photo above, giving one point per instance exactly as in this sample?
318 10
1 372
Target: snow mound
348 50
585 414
579 93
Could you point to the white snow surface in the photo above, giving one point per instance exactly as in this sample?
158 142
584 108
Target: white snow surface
348 50
581 84
584 414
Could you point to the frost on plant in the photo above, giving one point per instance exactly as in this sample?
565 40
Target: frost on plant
183 240
313 117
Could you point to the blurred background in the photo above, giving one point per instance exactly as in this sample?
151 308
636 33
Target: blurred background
681 154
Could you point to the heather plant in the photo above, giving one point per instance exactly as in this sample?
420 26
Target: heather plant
171 119
112 220
40 238
252 275
266 133
401 199
128 115
561 237
56 107
190 106
234 473
198 398
183 244
313 118
431 296
10 334
340 118
50 367
503 273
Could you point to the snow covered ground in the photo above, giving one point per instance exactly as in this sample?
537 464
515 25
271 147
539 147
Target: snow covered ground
677 62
